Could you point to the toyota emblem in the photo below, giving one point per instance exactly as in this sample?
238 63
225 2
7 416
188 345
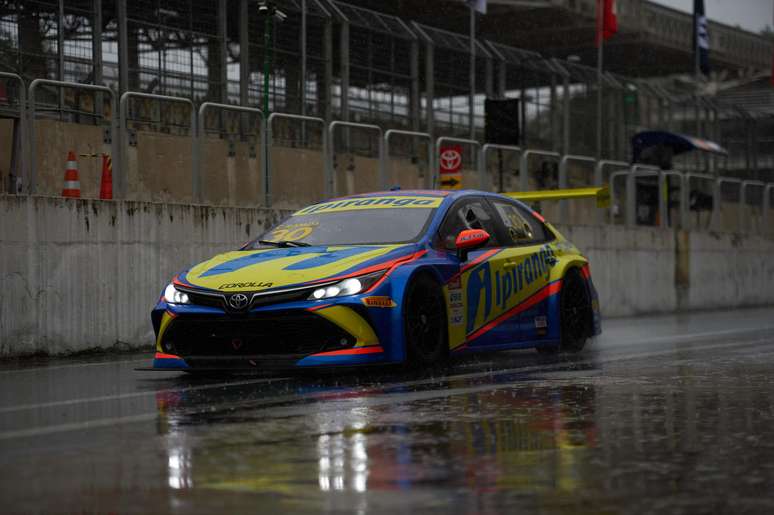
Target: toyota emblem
238 301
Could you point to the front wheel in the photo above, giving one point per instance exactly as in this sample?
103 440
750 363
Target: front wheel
424 316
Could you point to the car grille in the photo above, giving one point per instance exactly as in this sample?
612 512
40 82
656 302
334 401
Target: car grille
219 301
290 334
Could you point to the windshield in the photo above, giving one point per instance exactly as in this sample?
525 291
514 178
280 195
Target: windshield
370 220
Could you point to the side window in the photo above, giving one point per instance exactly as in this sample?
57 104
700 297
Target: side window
520 225
468 214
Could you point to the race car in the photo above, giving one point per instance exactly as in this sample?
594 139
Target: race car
389 277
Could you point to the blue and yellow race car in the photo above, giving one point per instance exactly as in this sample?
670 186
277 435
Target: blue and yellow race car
390 277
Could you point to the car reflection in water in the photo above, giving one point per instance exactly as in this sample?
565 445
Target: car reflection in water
427 437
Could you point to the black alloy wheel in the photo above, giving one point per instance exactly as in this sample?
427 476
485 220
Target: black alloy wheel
575 312
425 322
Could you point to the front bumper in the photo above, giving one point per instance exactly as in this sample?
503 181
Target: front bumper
299 334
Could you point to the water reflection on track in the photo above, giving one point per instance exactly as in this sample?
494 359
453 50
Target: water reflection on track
667 414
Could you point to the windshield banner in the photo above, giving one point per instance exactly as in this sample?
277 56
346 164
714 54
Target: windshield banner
357 204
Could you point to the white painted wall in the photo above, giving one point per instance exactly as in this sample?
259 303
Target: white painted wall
84 274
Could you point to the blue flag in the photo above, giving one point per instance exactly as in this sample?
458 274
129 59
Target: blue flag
700 37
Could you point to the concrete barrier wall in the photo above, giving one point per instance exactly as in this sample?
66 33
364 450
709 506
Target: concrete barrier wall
84 274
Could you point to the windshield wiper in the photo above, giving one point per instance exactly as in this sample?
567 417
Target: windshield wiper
284 243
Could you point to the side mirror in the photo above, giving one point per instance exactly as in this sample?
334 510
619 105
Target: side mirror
470 239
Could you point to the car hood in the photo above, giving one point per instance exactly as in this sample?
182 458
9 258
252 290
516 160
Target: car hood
278 268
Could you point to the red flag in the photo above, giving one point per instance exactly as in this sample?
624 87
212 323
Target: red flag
607 21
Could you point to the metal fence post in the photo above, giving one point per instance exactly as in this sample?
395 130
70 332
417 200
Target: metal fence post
524 165
118 170
22 165
718 198
563 163
268 142
197 173
743 200
123 111
767 207
341 123
482 182
599 179
415 134
688 177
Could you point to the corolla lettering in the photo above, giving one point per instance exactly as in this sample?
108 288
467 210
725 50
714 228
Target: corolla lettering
230 286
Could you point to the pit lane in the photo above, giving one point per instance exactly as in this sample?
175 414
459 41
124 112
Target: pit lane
665 414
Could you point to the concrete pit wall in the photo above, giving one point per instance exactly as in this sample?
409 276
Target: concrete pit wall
84 274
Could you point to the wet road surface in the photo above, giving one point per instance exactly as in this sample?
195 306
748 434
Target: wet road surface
668 414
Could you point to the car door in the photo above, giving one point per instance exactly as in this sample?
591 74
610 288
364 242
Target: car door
525 272
471 293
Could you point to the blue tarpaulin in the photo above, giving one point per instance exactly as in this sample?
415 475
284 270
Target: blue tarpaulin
678 143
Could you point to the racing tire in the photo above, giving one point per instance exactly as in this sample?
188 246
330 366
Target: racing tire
425 323
575 315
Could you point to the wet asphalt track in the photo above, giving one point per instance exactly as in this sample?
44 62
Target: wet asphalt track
671 414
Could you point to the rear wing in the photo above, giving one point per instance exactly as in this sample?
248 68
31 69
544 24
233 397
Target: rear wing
600 193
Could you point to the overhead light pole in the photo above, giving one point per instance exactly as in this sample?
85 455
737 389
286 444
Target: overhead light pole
270 12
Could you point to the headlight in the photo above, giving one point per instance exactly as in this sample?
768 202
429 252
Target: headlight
351 286
175 296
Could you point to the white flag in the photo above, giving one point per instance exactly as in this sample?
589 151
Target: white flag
477 5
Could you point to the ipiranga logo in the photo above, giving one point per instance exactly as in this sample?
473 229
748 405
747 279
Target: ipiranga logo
371 203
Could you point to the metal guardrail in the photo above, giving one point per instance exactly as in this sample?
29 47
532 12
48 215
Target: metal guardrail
563 164
353 125
118 171
599 180
414 134
483 175
714 224
197 174
268 142
22 165
663 205
124 103
701 176
119 143
743 200
524 165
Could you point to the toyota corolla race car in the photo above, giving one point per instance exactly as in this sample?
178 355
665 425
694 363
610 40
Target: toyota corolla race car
391 277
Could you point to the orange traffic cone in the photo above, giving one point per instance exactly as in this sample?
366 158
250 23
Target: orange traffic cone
72 184
106 186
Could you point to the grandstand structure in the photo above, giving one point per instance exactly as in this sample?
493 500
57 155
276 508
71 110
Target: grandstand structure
401 65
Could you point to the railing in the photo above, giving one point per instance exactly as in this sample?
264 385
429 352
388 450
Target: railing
200 122
22 166
413 134
331 150
269 144
121 183
483 183
119 146
118 171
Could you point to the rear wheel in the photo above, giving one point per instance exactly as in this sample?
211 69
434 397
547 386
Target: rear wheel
574 312
424 316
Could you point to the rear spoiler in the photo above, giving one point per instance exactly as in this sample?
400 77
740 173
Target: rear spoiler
600 193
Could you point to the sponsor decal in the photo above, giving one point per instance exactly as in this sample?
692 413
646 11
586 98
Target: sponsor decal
491 292
293 232
231 286
541 322
357 204
456 304
379 302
